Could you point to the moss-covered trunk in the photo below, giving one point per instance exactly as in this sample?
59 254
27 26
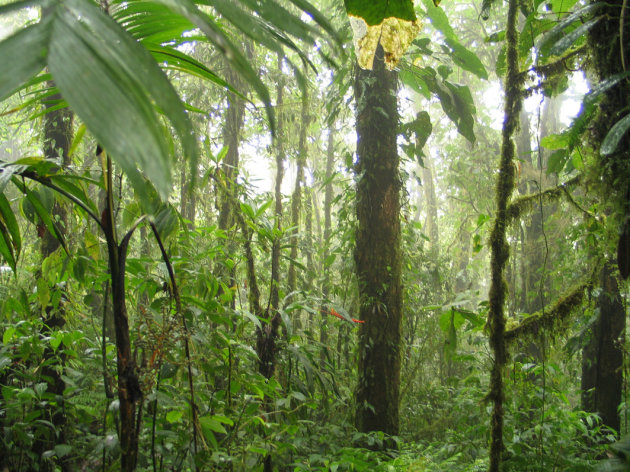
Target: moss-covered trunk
500 249
602 361
609 42
377 253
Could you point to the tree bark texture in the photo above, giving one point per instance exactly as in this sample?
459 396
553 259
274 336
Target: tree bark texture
377 253
602 361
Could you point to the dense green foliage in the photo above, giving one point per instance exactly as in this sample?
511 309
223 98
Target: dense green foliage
195 314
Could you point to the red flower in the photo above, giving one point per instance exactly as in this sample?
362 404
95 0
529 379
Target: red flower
334 313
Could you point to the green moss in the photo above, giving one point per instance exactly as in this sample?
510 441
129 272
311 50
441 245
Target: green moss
551 319
526 204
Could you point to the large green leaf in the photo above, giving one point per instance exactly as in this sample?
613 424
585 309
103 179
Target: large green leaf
67 184
611 141
375 11
166 221
110 81
173 59
39 202
439 20
558 30
422 128
320 19
10 240
456 99
534 26
217 36
6 249
461 56
466 59
23 56
410 76
152 22
254 27
11 7
464 110
567 40
603 86
7 170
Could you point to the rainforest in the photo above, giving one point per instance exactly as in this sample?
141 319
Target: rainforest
314 235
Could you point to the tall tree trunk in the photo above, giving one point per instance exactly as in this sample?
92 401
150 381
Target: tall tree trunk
234 119
58 132
377 253
296 201
602 358
232 126
308 245
266 336
524 150
188 199
428 176
328 196
274 297
462 281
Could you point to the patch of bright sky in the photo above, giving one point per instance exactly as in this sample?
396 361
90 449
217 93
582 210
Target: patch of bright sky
571 103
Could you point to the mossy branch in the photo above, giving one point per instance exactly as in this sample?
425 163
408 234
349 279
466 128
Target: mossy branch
552 318
526 204
550 70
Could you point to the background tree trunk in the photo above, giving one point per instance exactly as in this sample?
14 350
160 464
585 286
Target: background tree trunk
296 204
58 132
274 297
432 228
328 196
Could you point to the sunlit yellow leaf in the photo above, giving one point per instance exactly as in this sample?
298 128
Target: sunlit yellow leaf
394 34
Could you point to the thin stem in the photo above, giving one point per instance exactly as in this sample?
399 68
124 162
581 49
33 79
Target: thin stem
178 310
154 420
621 43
